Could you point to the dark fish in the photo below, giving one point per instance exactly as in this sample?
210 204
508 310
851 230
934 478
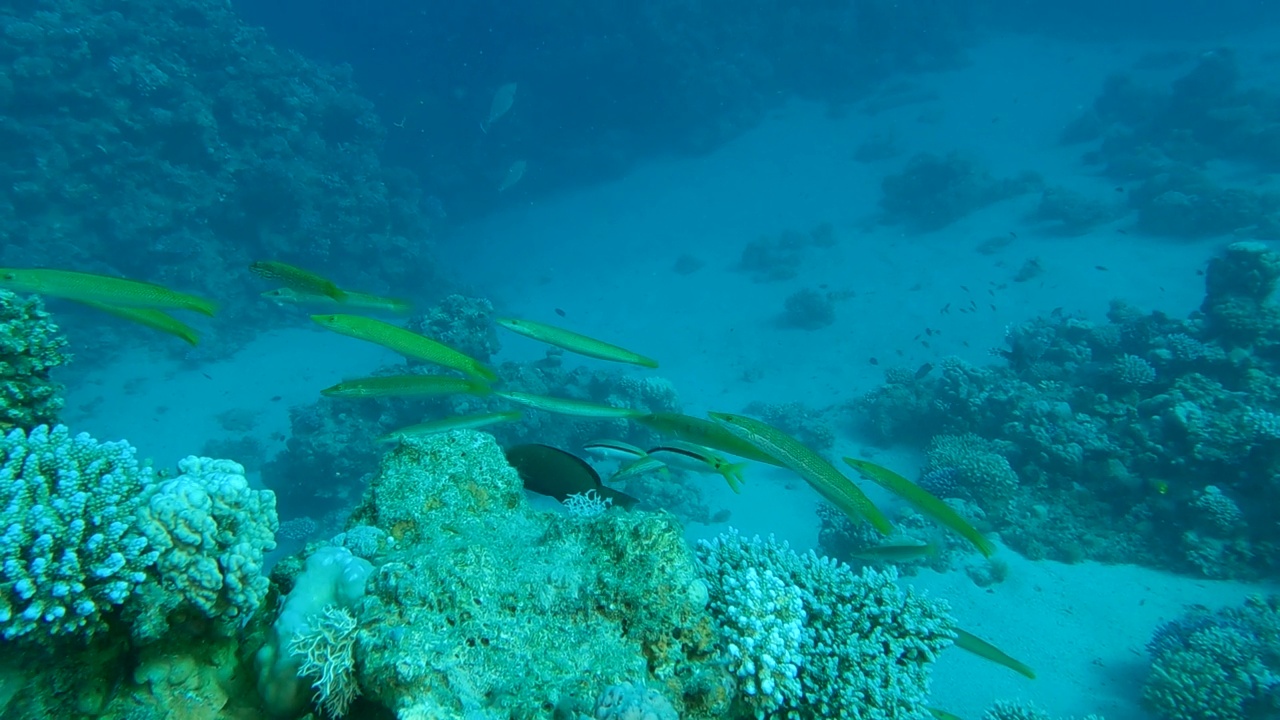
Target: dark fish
964 288
1100 267
873 361
559 312
553 472
1013 234
1119 189
925 369
946 309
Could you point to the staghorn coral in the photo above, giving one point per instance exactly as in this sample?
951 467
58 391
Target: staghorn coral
30 349
809 638
88 530
1223 665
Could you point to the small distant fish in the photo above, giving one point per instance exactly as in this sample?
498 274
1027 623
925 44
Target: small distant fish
903 551
1100 267
405 342
924 370
574 342
297 278
559 312
449 424
695 458
149 317
91 287
406 386
566 406
873 361
503 98
514 173
355 300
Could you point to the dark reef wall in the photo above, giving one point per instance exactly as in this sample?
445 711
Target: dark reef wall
601 84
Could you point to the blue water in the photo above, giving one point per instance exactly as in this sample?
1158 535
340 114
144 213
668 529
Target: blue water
880 226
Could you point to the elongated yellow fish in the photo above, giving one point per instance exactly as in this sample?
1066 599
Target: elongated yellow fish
983 649
704 432
90 287
449 424
150 317
409 344
820 474
923 501
406 386
356 300
565 406
575 343
297 278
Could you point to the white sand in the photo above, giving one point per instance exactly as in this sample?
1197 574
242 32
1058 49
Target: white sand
604 256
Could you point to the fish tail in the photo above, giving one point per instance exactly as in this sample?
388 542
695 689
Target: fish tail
204 306
733 475
484 373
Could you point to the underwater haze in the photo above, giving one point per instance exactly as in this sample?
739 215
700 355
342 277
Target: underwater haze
710 360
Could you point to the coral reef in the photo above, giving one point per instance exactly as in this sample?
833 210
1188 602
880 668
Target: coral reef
932 192
485 605
800 637
1162 139
173 143
88 530
1223 664
30 348
808 309
701 74
124 589
770 258
1144 439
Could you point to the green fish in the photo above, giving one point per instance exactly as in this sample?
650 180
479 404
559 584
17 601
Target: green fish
987 651
922 500
357 300
565 406
149 317
93 288
297 278
706 433
448 424
406 386
409 344
575 343
820 474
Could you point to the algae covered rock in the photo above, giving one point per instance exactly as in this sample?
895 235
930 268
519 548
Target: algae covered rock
484 605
